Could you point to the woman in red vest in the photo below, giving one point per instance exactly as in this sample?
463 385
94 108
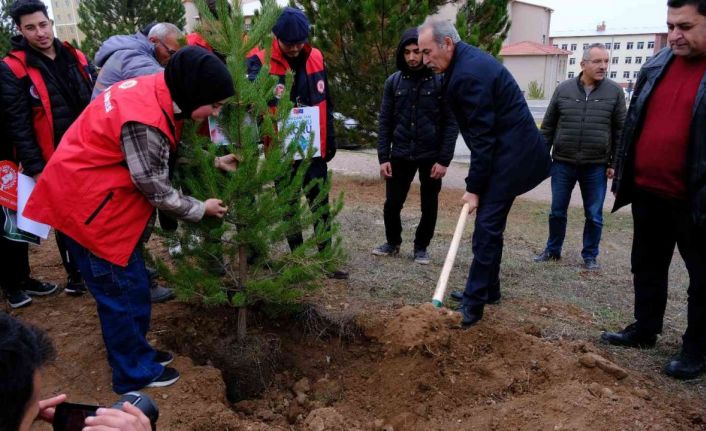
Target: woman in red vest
101 187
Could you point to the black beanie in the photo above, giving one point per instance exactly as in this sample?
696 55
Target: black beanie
196 77
292 26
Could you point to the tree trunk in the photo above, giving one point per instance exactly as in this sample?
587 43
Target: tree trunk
242 311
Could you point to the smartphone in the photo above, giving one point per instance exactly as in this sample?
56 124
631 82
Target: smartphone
71 417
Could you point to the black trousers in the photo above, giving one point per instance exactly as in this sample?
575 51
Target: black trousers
483 283
14 264
659 225
396 190
318 169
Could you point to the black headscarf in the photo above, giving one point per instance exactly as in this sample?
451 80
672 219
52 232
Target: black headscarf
196 77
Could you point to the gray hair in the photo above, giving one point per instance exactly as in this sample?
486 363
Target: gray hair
587 52
440 29
164 29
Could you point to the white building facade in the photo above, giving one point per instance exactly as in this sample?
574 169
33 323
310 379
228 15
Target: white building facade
628 50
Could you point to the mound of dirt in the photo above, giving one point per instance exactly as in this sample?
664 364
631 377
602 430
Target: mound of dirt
425 329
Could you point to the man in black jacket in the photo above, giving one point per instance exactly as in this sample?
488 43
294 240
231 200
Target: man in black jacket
47 85
583 123
508 155
661 170
414 135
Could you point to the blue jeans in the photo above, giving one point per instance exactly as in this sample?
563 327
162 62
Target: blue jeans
593 183
124 309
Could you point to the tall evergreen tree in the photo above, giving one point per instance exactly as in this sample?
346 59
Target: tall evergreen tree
484 23
359 40
7 27
100 19
243 259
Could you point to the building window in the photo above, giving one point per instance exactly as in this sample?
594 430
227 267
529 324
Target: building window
571 75
613 74
638 60
614 60
608 45
564 46
628 60
572 60
585 46
616 45
651 45
629 45
573 47
640 45
635 74
626 75
647 59
555 45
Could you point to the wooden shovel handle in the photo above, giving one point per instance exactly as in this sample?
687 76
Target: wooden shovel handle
438 298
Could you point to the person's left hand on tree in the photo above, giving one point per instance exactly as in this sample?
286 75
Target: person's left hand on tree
227 163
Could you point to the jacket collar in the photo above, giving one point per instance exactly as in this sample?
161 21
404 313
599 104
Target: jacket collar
581 86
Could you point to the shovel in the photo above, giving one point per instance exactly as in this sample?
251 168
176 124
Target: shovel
450 258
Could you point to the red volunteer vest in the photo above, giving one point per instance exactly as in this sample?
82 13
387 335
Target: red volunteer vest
315 75
195 39
43 121
86 190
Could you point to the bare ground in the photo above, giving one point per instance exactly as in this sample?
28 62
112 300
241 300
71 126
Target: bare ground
533 363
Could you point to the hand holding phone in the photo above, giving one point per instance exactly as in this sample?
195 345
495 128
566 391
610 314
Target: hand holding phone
72 417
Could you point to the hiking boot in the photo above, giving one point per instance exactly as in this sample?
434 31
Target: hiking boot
160 294
386 250
18 299
422 257
164 358
631 336
546 257
75 286
591 264
686 365
168 377
39 288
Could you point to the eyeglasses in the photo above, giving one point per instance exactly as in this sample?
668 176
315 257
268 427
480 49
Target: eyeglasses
169 50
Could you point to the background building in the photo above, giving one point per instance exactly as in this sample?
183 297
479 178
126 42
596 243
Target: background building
628 48
66 20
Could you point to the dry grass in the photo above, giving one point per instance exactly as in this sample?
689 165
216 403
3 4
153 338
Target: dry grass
587 302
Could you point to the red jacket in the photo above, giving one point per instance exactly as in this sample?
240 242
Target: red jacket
195 39
42 116
86 190
315 93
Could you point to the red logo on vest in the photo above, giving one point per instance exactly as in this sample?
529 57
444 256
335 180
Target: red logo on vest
321 86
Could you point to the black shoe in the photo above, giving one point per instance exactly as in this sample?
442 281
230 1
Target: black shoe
160 294
630 337
339 274
18 299
422 257
686 365
591 264
546 257
471 314
39 288
75 286
164 358
386 250
168 377
457 295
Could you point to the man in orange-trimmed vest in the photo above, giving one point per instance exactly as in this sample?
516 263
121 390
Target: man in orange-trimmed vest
291 51
101 188
47 85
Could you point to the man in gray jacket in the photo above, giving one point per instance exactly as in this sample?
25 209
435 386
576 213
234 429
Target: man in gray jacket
583 123
128 56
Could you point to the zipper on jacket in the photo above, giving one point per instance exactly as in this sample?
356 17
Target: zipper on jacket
100 207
